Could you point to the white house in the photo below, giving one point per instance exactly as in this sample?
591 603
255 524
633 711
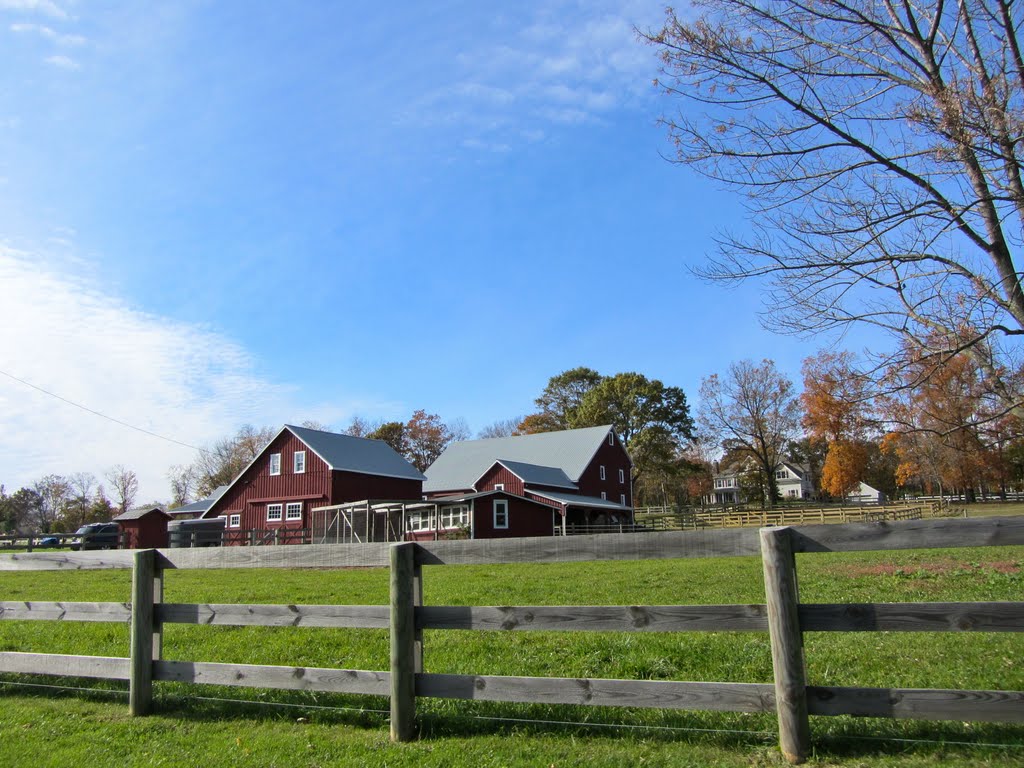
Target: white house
794 482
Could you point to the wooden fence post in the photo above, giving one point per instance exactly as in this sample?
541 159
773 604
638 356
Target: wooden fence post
158 597
140 680
780 586
403 641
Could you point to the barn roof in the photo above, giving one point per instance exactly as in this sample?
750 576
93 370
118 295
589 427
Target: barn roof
535 474
572 500
462 463
355 454
200 506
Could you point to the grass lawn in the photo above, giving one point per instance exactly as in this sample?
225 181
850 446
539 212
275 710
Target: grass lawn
194 725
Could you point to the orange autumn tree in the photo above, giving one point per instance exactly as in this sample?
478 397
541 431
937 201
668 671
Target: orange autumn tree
837 407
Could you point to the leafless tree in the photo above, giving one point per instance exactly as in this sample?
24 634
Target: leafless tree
54 492
125 485
360 427
752 407
501 428
222 462
182 478
879 148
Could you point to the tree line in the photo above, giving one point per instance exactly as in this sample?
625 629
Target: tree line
66 502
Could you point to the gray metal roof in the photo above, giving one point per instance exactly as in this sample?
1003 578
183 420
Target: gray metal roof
462 463
534 474
200 506
356 454
573 500
139 512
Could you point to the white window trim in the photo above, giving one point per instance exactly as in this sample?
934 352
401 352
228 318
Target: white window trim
234 521
611 438
499 486
603 472
295 462
604 496
622 476
622 499
503 504
275 458
290 513
271 509
454 517
418 521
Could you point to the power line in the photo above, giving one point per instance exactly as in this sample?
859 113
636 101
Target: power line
98 413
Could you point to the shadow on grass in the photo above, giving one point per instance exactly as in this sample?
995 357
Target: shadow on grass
834 738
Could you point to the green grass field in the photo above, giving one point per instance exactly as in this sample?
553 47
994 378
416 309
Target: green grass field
196 726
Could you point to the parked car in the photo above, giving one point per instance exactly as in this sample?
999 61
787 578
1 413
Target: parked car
48 541
97 536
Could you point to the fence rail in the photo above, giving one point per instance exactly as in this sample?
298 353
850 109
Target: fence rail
783 617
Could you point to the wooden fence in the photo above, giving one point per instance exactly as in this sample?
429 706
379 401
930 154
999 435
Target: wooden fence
783 616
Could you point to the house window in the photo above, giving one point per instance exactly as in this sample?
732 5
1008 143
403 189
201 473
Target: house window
234 521
293 511
500 513
455 517
622 499
499 486
300 462
418 521
604 495
602 472
781 474
622 476
273 512
275 463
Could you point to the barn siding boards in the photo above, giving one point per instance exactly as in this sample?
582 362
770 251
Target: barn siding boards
356 486
613 458
500 475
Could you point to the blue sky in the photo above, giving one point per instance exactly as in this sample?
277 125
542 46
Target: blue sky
225 212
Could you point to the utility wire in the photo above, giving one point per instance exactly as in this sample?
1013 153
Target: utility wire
98 413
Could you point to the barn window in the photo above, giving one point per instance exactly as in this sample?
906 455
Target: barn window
622 499
275 463
499 486
300 462
293 511
273 512
622 476
234 521
418 521
501 513
602 472
604 495
611 438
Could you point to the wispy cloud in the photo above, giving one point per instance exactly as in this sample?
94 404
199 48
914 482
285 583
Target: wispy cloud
63 62
44 7
48 33
61 331
570 63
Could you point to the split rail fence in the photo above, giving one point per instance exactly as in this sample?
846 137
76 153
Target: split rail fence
783 616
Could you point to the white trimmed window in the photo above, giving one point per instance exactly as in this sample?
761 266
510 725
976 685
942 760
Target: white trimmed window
293 511
499 486
455 517
611 438
622 499
299 465
602 472
622 476
500 513
275 463
418 521
604 495
234 521
273 512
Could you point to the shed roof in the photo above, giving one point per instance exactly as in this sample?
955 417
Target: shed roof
140 512
355 454
573 500
462 463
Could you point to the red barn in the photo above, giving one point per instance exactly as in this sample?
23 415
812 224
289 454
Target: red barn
530 485
143 528
305 468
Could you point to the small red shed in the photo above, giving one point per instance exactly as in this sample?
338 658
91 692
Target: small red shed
144 527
